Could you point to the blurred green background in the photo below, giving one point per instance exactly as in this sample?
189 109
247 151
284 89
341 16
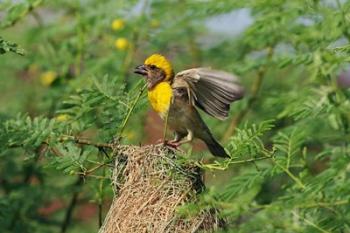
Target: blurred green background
66 72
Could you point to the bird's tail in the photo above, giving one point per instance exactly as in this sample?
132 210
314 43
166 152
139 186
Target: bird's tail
215 148
204 133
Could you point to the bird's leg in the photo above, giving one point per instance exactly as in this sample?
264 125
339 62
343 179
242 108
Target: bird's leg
175 142
188 138
177 137
179 140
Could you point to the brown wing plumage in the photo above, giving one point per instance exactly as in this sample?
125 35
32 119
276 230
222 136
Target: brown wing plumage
211 90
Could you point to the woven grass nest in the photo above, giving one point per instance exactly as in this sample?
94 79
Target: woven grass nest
149 185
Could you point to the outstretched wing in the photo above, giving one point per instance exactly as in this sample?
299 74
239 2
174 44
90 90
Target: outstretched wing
211 90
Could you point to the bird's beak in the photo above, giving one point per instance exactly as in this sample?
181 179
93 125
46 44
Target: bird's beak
141 69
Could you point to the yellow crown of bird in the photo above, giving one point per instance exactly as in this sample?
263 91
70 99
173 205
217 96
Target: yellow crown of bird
161 62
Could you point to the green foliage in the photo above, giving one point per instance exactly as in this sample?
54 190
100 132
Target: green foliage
241 184
7 46
247 141
102 105
27 133
73 93
71 160
17 11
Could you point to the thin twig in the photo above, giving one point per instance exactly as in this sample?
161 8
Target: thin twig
293 177
141 90
88 172
220 167
85 141
65 138
310 223
94 176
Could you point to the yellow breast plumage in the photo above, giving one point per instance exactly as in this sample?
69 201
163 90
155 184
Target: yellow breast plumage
160 97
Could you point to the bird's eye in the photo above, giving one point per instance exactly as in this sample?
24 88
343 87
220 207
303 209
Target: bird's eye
152 67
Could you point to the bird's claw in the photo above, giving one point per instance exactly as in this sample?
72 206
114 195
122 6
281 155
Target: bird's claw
172 144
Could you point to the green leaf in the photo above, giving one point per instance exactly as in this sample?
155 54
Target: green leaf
241 184
7 46
248 141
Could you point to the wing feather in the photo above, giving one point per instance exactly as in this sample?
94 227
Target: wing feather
212 90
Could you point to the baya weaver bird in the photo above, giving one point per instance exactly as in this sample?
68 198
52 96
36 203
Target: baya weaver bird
175 98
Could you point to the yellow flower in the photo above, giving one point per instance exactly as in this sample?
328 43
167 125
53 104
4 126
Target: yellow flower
47 78
155 23
118 24
121 43
62 117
